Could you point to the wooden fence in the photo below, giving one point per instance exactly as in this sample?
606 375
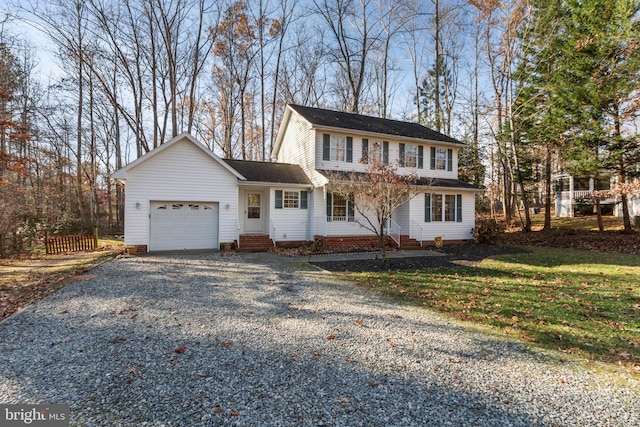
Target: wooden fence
75 243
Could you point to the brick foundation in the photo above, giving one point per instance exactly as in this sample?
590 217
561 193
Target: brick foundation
350 243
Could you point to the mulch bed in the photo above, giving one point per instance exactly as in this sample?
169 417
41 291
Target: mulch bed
467 253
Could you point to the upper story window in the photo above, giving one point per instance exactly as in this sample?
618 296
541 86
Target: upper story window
337 148
441 159
375 151
411 155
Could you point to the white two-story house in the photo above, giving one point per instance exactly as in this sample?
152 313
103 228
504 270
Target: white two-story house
183 196
323 141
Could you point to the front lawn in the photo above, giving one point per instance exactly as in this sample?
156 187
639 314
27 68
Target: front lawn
579 302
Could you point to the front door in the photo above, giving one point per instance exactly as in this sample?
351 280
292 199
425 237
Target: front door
253 220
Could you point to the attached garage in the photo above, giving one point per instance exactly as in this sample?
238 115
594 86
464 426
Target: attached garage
183 225
180 196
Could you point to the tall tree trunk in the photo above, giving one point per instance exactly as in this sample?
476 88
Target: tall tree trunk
438 65
622 176
547 189
80 70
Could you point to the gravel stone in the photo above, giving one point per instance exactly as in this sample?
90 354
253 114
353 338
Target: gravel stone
201 339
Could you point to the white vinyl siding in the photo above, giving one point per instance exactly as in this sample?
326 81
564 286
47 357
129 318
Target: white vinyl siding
180 173
374 148
289 223
449 230
299 147
303 143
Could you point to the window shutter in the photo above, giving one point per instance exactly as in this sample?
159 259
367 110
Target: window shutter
365 150
326 146
401 155
349 149
449 159
385 153
459 207
427 207
303 200
350 203
433 158
329 208
420 156
278 199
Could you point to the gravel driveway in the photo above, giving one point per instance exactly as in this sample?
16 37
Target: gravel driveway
200 339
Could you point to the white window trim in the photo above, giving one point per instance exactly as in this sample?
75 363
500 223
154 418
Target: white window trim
413 156
295 199
334 148
441 161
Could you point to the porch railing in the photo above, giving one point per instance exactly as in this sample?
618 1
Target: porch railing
238 234
273 230
416 231
394 230
336 226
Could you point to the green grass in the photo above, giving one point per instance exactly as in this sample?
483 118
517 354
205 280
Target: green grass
579 302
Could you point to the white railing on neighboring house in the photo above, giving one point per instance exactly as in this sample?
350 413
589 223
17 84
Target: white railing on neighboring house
582 195
394 230
416 231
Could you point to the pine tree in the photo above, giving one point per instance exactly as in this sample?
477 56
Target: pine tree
538 113
599 66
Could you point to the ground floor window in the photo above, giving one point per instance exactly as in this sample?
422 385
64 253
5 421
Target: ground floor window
340 208
442 207
291 199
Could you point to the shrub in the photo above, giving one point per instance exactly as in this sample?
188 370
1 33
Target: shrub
487 231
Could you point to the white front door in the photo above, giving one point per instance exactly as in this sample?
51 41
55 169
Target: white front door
253 217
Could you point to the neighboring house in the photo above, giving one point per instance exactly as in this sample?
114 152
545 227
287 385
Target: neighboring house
183 196
575 195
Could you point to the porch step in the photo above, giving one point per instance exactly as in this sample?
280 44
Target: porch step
255 243
408 244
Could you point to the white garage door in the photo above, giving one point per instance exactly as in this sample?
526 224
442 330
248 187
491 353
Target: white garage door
183 225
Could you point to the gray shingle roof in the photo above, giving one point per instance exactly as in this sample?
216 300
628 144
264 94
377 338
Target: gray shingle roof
422 181
280 173
338 119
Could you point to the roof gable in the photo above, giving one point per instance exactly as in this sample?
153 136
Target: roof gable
122 172
358 122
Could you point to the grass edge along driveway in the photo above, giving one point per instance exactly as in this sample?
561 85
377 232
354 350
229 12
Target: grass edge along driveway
582 303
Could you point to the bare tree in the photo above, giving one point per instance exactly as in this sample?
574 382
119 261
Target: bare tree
234 47
353 26
376 193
